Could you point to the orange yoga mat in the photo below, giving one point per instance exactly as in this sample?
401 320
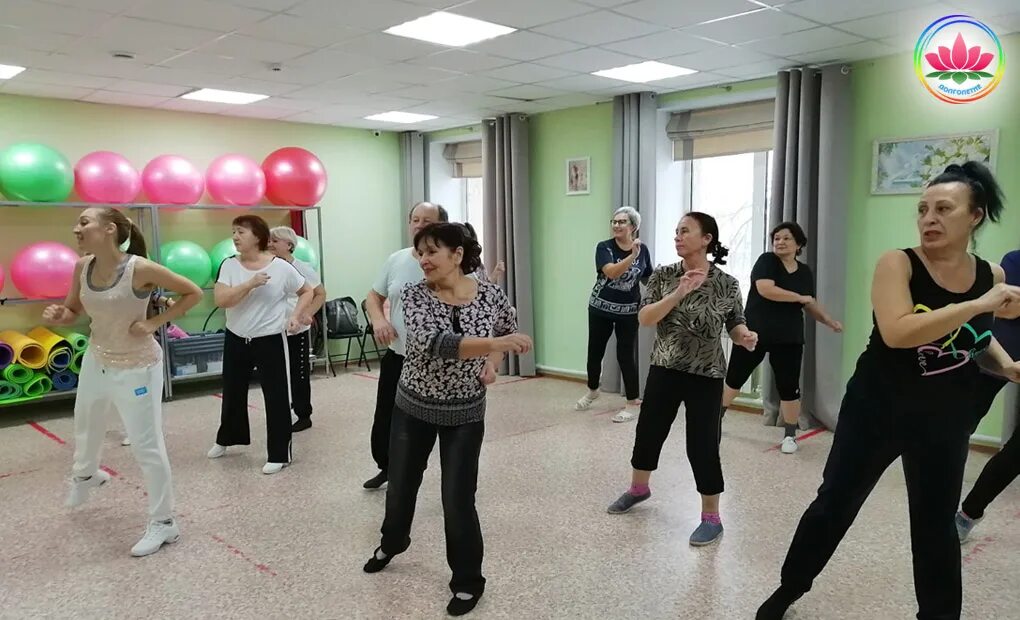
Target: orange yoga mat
52 344
28 352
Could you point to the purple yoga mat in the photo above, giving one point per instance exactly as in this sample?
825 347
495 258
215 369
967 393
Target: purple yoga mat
6 355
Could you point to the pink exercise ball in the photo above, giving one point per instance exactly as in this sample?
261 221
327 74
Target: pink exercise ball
235 180
294 177
106 177
171 179
43 270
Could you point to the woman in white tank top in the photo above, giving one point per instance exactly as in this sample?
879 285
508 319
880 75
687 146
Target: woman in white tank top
123 366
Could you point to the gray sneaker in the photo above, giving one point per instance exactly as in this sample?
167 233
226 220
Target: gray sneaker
626 502
706 534
964 525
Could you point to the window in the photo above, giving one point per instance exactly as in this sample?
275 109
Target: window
455 181
473 209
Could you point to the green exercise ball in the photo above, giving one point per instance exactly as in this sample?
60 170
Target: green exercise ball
187 259
304 252
35 173
219 253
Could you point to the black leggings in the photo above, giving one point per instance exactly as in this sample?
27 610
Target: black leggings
600 328
869 437
785 360
390 368
665 391
240 357
1003 468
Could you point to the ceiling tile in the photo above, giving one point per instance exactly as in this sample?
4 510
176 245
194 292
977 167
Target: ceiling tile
250 48
212 63
607 4
683 82
987 9
383 103
129 34
263 87
188 105
388 46
1009 23
370 83
757 25
59 78
597 28
661 45
829 12
91 63
905 25
573 100
302 31
265 5
297 105
475 84
527 91
680 14
588 60
436 4
107 6
256 111
848 53
527 73
12 55
182 77
756 69
41 16
33 39
803 42
31 89
328 64
366 14
131 99
463 60
147 88
525 45
198 13
522 13
582 83
333 92
718 58
413 74
332 114
433 92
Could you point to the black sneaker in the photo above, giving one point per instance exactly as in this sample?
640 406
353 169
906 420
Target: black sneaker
374 564
460 607
626 502
777 604
302 424
376 483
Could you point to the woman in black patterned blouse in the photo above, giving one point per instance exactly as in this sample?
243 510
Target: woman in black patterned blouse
690 303
458 329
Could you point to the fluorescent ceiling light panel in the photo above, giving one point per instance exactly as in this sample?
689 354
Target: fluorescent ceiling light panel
223 96
9 71
644 72
400 117
449 29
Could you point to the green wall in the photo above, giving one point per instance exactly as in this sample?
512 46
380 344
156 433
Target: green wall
890 102
565 228
361 210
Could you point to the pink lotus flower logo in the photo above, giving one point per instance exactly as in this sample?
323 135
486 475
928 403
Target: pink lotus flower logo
959 64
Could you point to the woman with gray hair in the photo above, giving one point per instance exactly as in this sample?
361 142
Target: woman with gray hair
282 242
621 264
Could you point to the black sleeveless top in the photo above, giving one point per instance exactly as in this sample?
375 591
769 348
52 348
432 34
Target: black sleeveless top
937 379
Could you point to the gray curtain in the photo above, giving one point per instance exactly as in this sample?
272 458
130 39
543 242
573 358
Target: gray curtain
507 204
414 175
810 186
634 166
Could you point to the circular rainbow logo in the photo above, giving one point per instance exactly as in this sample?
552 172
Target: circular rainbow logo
959 59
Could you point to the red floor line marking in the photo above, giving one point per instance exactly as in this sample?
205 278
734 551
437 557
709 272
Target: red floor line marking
112 472
978 549
17 473
517 380
42 429
365 376
262 568
608 411
807 435
220 396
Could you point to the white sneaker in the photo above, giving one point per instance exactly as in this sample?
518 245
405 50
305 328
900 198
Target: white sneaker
625 415
585 401
216 451
126 441
273 468
80 489
789 445
156 535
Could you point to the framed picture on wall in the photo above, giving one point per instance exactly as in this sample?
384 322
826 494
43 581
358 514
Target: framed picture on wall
905 165
578 176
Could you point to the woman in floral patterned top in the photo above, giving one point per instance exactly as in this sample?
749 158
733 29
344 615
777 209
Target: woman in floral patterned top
458 329
690 303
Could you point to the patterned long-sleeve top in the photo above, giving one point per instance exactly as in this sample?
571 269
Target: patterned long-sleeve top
689 338
435 386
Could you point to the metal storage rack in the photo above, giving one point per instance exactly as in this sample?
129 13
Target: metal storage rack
146 217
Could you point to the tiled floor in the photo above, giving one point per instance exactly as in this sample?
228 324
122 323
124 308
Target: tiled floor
292 545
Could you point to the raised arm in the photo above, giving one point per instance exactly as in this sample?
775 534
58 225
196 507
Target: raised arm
657 305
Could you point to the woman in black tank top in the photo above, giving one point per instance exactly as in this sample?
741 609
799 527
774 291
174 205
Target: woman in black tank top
911 394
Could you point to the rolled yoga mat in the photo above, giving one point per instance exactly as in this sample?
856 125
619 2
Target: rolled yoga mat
59 359
75 366
64 380
77 341
6 355
16 373
27 352
51 343
38 385
9 390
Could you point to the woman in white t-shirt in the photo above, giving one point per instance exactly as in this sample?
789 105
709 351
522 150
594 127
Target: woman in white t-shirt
282 241
253 288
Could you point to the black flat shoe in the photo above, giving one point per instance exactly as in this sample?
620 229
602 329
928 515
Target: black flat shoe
460 607
377 482
303 424
374 564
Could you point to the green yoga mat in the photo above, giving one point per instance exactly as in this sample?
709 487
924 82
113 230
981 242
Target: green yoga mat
9 390
39 384
75 366
16 373
78 342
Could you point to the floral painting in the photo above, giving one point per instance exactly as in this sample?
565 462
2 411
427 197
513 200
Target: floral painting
904 166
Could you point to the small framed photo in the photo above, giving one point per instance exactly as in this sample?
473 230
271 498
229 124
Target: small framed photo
578 176
905 165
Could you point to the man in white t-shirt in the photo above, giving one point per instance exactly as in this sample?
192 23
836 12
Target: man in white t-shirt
282 242
401 268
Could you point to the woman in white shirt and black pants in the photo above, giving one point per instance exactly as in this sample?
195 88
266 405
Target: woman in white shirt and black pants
253 288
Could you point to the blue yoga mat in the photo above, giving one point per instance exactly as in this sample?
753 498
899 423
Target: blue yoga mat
64 380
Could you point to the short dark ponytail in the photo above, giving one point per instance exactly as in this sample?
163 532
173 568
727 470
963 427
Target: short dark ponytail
709 226
985 191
